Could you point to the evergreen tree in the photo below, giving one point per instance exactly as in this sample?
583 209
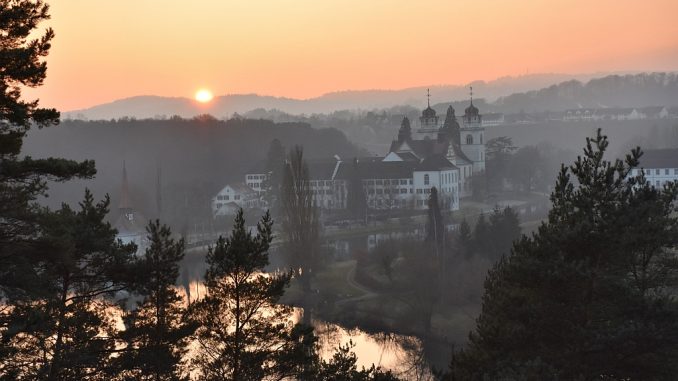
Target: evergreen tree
356 199
481 238
156 332
68 332
591 294
504 229
435 227
243 333
465 239
23 179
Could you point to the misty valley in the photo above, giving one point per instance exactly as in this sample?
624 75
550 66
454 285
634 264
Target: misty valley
517 228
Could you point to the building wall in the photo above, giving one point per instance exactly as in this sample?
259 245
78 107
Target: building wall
476 150
658 176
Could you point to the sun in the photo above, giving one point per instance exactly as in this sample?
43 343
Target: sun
203 96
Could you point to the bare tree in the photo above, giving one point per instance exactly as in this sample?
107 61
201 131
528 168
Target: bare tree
300 218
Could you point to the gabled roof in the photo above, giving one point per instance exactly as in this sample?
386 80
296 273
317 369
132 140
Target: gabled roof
238 188
435 163
660 158
377 170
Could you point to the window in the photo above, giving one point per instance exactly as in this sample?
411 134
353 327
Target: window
675 171
426 180
403 190
379 182
469 139
387 191
481 138
226 198
411 190
404 181
656 172
666 171
394 182
411 179
370 182
219 205
419 191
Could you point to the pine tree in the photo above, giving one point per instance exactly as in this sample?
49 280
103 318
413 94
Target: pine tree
24 179
156 332
243 333
68 332
591 294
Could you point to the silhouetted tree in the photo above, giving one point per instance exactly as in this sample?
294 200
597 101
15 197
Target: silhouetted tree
23 179
243 333
465 239
356 199
68 332
504 229
589 296
300 218
156 332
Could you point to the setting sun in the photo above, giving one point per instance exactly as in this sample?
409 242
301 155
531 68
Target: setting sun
203 96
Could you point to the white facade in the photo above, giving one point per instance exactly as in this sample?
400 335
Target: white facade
256 181
657 177
232 197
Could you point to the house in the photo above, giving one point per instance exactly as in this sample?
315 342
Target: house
233 197
659 166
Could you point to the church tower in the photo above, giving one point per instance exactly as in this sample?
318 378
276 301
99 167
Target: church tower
472 137
428 121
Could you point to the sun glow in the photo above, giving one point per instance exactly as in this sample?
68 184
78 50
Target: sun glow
203 96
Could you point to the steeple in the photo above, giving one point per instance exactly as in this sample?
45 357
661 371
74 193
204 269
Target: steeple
124 190
450 129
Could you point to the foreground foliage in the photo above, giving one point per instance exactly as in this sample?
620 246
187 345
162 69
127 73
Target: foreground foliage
592 293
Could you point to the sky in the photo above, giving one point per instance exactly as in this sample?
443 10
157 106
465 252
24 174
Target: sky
106 50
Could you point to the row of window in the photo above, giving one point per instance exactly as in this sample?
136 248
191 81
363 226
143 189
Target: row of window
226 198
657 172
254 185
256 177
388 182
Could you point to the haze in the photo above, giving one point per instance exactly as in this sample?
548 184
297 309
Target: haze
111 50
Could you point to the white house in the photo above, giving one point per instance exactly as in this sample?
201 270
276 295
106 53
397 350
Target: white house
232 197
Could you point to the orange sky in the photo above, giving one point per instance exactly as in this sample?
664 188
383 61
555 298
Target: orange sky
106 50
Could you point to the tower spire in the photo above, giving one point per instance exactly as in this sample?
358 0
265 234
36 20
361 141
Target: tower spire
428 97
471 87
124 190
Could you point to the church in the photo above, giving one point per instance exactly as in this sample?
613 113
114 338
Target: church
462 145
444 155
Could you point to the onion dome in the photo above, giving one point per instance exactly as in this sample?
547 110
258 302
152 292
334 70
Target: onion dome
429 113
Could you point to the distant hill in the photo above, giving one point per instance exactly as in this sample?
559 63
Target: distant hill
223 106
660 89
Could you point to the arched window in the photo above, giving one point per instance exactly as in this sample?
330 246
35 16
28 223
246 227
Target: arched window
469 139
425 179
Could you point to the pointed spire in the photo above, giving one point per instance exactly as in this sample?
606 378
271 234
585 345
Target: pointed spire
471 87
124 190
428 97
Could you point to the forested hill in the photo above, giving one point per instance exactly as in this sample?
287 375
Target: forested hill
196 156
648 89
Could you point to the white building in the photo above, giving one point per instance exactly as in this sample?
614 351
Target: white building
660 166
233 197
